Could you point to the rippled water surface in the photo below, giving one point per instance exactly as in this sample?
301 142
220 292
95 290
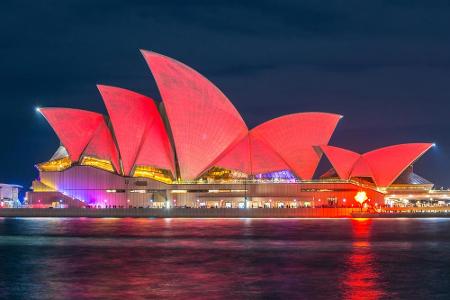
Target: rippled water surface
225 258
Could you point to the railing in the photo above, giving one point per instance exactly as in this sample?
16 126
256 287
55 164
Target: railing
180 212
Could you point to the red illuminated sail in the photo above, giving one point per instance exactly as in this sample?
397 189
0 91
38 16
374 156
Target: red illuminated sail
203 121
102 146
74 127
389 162
294 138
138 128
383 165
343 160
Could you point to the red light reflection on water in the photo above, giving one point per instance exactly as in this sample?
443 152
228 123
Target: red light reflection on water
361 280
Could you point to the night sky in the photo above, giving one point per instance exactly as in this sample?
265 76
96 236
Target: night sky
384 65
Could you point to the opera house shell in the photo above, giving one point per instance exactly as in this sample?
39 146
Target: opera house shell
194 149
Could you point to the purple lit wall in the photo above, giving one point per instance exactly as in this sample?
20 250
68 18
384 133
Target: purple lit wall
101 188
280 175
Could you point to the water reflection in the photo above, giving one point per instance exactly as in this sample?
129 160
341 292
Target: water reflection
361 278
224 258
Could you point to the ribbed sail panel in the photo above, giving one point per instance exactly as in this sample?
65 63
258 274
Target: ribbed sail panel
294 138
74 127
238 158
342 160
203 121
156 150
264 158
137 123
102 146
389 162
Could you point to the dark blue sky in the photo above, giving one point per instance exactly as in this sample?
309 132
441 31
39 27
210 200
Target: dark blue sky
384 65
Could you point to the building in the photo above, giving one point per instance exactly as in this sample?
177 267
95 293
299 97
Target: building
194 150
9 195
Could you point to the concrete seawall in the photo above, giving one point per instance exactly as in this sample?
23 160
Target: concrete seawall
180 212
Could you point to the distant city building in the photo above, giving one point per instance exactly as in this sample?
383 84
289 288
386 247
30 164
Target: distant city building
195 150
9 195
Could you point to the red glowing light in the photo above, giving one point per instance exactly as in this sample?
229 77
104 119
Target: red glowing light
361 197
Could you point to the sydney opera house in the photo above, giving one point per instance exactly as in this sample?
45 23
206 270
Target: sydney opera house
194 150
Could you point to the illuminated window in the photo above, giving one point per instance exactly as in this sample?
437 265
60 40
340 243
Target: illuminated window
102 164
153 173
55 165
38 186
216 173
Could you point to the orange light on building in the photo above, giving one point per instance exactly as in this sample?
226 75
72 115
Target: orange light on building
361 197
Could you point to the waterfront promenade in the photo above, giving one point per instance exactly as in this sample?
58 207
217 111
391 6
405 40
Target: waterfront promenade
180 212
221 212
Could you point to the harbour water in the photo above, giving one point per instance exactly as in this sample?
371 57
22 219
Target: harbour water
63 258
